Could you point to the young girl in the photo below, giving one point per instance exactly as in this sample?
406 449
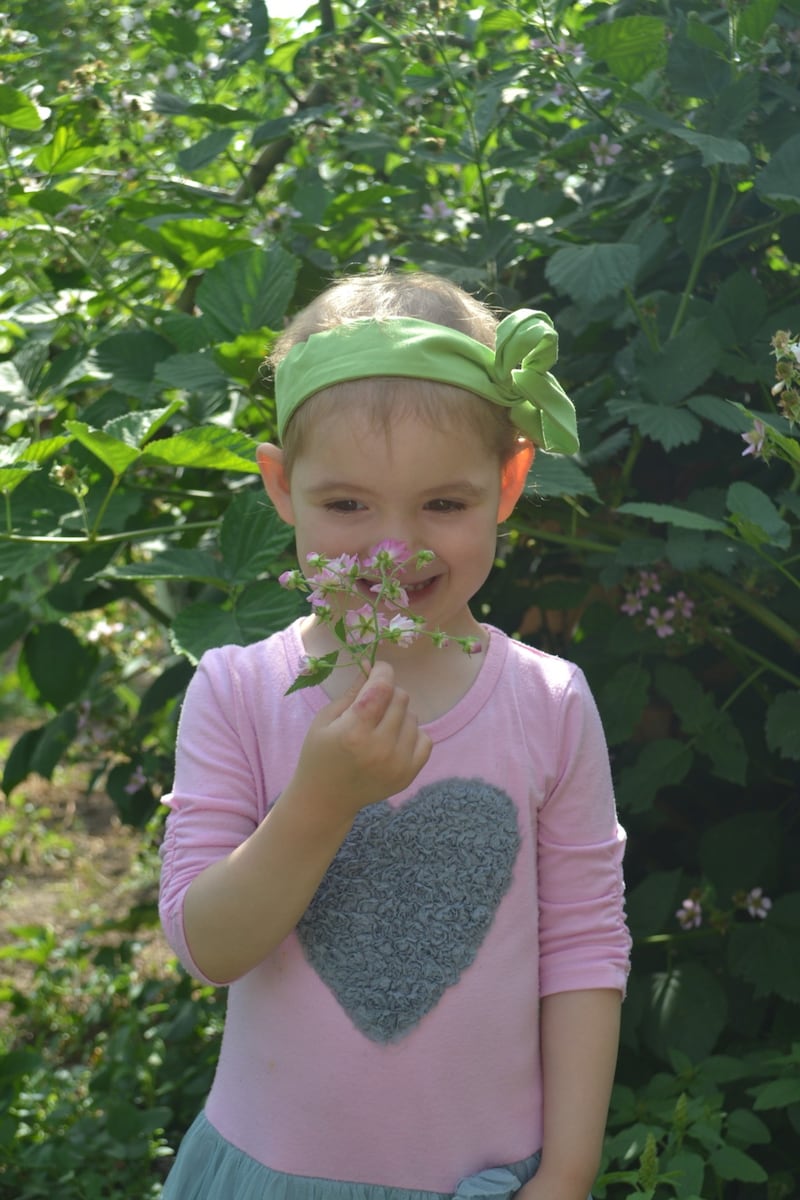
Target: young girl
410 883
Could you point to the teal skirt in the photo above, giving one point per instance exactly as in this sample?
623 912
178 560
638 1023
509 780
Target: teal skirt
210 1168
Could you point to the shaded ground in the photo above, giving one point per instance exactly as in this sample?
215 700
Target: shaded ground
66 861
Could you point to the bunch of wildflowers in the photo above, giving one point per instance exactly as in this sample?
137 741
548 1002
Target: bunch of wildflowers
667 614
381 617
763 441
699 907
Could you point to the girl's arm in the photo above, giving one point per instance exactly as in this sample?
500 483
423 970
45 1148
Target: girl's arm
580 1035
360 749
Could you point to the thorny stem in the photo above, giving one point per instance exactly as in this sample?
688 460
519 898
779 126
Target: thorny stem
106 539
703 246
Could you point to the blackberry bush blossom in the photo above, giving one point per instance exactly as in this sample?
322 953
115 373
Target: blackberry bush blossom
361 630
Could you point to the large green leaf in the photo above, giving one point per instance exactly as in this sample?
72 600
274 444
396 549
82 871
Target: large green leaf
252 536
589 274
659 765
621 701
755 19
265 607
687 1012
59 664
248 291
17 111
670 514
764 953
131 359
756 517
114 453
202 626
681 365
12 477
779 181
18 558
195 372
671 427
175 563
715 149
631 46
208 446
783 725
556 475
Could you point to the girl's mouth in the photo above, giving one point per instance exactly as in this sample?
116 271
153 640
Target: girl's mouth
415 591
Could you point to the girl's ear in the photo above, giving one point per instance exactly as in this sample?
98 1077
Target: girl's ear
273 473
512 478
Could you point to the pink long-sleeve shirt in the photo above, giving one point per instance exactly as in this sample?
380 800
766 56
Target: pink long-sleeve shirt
393 1036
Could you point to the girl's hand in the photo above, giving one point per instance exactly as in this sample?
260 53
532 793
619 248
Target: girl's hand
362 747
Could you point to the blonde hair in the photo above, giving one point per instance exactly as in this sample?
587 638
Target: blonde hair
382 296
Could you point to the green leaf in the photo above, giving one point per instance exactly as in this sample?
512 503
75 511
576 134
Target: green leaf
687 1012
195 372
252 536
779 181
115 454
740 852
783 725
746 1129
715 149
59 665
12 477
248 291
20 558
17 111
669 514
621 701
136 428
14 620
631 46
201 153
730 1163
756 517
723 413
589 274
56 736
207 446
131 358
670 426
754 20
556 475
18 763
682 364
65 152
12 386
700 717
202 626
778 1093
265 607
660 764
764 952
690 1170
325 666
652 903
175 563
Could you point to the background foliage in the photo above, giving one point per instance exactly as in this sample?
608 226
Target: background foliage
177 179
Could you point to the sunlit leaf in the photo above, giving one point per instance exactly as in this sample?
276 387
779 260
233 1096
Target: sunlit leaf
208 446
593 272
17 111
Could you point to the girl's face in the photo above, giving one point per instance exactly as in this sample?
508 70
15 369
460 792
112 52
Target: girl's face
434 489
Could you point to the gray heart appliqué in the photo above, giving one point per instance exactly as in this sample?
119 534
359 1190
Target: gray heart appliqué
405 905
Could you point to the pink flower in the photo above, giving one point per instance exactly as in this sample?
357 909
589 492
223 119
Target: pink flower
137 781
690 914
632 605
605 151
386 555
755 440
402 631
660 621
438 211
648 582
683 605
391 593
291 580
363 625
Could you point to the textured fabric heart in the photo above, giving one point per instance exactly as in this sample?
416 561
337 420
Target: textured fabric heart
409 898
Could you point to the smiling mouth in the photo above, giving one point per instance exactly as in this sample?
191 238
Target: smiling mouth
414 591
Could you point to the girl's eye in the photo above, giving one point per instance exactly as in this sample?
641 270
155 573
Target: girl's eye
445 506
343 506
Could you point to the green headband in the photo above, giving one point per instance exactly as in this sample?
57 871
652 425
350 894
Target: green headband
515 375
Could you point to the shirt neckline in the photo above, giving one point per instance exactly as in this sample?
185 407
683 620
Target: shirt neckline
444 726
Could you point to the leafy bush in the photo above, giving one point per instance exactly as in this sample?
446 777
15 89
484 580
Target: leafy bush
635 173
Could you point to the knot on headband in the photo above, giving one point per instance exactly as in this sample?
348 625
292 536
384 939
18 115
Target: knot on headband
515 375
